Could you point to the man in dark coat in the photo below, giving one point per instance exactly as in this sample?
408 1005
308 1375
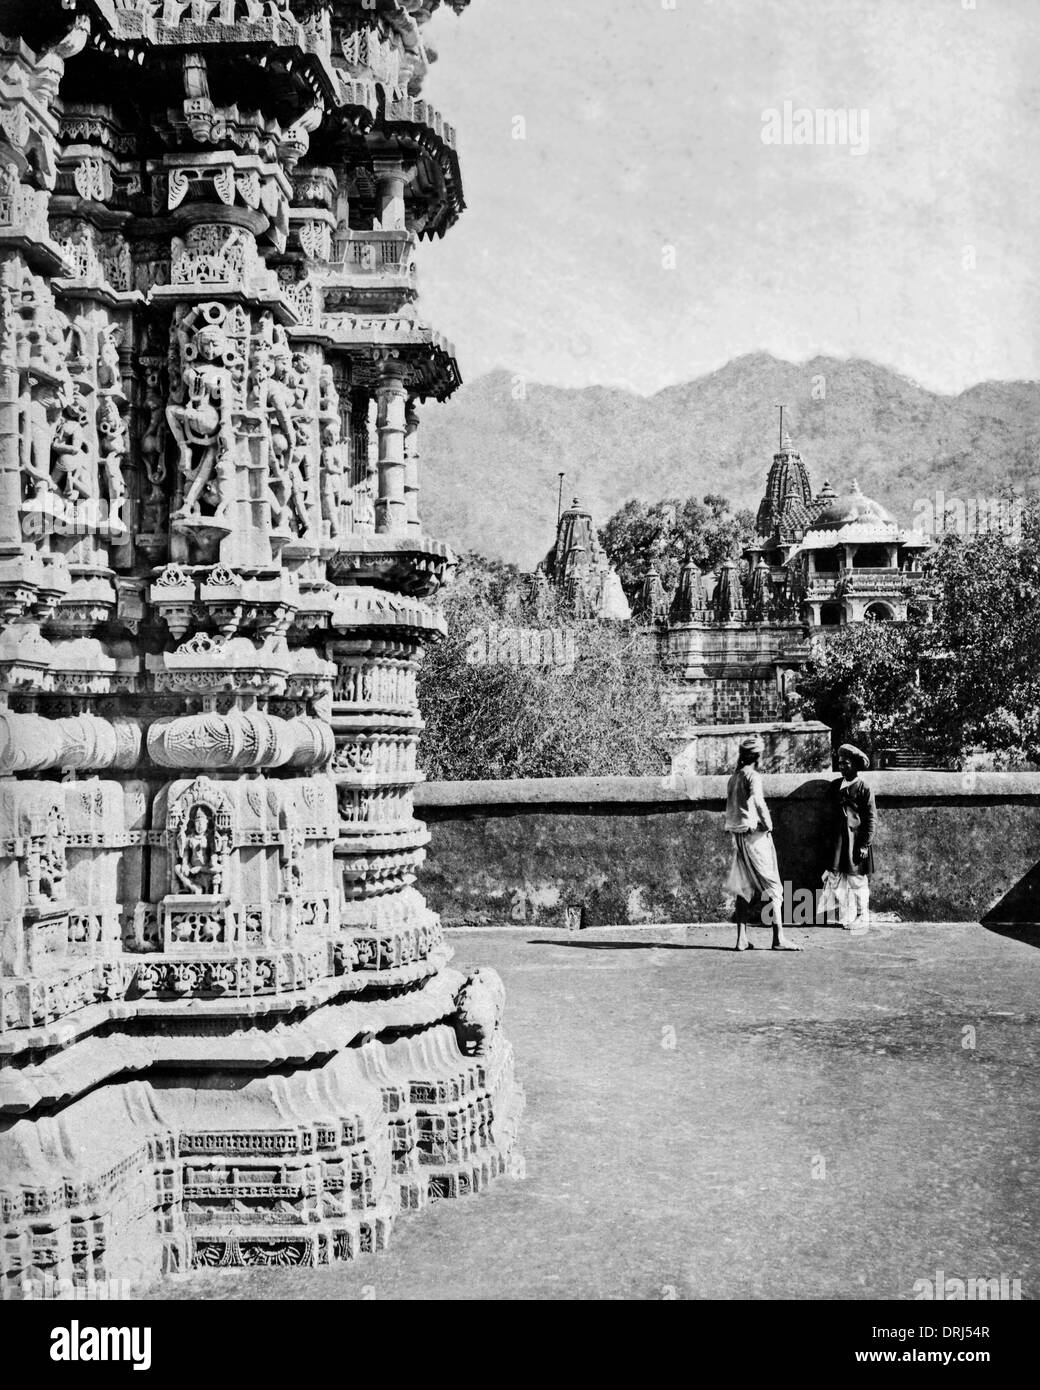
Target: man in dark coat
850 862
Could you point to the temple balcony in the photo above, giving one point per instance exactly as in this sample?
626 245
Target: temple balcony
876 581
367 257
864 581
373 271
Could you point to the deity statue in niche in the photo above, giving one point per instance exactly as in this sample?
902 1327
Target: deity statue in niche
328 396
45 331
292 853
273 394
333 477
71 469
201 845
334 480
303 409
109 376
298 488
201 424
39 410
52 856
111 429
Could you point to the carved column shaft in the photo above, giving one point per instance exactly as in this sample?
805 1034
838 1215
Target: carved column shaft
411 472
391 508
391 182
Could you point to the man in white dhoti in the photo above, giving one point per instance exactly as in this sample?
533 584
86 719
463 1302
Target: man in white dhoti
753 872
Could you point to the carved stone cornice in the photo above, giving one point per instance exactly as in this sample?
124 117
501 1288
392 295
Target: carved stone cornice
411 563
361 607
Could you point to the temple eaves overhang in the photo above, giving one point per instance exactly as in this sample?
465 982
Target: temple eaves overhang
862 534
426 358
301 53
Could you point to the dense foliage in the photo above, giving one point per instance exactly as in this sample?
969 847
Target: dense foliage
967 687
506 694
863 682
671 531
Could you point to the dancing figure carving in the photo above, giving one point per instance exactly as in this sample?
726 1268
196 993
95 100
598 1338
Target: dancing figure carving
201 424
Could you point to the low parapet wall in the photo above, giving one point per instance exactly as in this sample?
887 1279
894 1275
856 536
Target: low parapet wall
700 750
949 847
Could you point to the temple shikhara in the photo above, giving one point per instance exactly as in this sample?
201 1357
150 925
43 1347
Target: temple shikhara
817 562
735 640
577 572
228 1031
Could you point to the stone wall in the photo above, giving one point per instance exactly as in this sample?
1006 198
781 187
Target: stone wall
717 699
949 847
753 699
730 670
796 746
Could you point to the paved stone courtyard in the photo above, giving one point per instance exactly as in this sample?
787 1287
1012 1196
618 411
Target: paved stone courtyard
704 1124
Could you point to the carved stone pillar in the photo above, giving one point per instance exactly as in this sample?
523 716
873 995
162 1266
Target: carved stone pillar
411 465
361 467
391 508
391 182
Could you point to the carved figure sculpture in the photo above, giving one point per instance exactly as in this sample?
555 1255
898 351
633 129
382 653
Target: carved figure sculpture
303 412
112 442
71 470
274 402
108 372
52 856
45 332
479 1004
153 439
201 423
298 496
38 417
333 477
199 863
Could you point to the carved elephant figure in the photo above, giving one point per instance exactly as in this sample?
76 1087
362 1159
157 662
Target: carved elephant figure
479 1005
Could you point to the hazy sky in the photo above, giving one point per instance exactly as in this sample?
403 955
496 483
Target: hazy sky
644 131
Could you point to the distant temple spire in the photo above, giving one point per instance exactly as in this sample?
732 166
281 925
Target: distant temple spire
688 600
574 533
652 600
727 602
786 507
578 569
760 592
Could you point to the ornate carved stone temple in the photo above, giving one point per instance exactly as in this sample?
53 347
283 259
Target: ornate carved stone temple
738 638
577 570
228 1033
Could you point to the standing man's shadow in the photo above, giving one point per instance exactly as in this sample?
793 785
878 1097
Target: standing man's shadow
802 833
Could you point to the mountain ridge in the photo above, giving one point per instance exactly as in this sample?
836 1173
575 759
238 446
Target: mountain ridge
491 455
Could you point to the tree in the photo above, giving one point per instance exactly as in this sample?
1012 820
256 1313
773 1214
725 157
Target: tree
484 580
670 531
984 688
863 681
589 703
968 685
